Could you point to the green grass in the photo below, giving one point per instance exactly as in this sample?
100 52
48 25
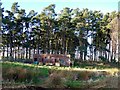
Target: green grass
29 74
74 84
15 73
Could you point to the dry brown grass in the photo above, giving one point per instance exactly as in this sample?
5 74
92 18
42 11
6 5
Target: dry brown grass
54 81
22 73
10 74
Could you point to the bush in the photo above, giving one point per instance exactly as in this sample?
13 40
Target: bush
54 81
103 58
10 74
20 74
83 75
8 59
16 74
73 84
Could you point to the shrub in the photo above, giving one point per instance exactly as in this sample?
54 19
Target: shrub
10 74
7 59
21 73
54 81
73 84
69 75
83 75
17 74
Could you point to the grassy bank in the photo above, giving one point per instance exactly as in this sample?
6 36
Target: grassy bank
22 75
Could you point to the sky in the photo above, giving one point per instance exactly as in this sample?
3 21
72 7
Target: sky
38 5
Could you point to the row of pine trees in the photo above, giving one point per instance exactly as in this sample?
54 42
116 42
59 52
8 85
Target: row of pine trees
66 32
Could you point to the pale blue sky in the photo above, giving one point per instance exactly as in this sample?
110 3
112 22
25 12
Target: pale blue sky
38 5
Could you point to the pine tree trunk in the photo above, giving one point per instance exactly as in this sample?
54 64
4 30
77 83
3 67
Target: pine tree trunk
64 46
34 50
26 53
38 49
57 48
21 53
11 52
15 53
95 55
11 44
18 52
81 55
29 53
3 52
7 51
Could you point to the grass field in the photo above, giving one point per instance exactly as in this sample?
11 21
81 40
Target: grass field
23 75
